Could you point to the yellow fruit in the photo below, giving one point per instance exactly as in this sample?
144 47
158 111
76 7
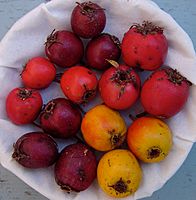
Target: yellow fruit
150 139
119 173
103 128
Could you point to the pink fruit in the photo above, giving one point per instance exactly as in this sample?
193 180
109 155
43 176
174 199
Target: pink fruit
144 46
60 118
165 93
64 48
88 19
35 150
101 48
76 168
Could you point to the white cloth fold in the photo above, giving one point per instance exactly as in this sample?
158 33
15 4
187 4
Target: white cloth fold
26 40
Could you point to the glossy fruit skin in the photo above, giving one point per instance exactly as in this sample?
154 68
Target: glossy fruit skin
119 173
150 139
162 97
38 73
116 93
23 105
79 84
76 167
88 20
147 51
35 150
64 48
103 128
100 48
60 118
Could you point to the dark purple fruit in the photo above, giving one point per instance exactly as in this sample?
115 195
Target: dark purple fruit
64 48
101 48
88 19
60 118
75 169
35 150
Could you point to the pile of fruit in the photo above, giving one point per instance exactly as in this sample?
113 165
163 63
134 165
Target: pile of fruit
163 94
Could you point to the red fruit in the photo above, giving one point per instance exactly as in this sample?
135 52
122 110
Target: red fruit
64 48
88 19
119 87
76 168
60 118
79 84
165 93
144 46
35 150
38 73
23 105
103 47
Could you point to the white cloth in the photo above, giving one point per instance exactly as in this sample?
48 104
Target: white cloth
26 40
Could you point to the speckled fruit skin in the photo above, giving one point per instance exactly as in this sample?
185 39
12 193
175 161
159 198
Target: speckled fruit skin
103 128
162 97
38 73
119 173
150 139
147 51
60 118
88 19
64 48
23 105
101 48
35 150
76 168
116 92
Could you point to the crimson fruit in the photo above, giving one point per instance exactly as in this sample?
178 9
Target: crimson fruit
35 150
38 73
88 19
60 118
165 93
101 48
23 105
76 168
79 84
64 48
144 46
119 87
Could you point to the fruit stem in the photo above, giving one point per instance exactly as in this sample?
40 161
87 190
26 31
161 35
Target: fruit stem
87 8
113 63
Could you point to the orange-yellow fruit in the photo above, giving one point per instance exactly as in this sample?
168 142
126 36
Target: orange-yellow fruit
103 128
119 173
150 139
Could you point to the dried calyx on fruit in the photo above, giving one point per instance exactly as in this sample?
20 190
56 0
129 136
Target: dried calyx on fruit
35 150
123 83
88 19
64 48
23 105
75 169
144 46
175 77
170 94
60 118
147 28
